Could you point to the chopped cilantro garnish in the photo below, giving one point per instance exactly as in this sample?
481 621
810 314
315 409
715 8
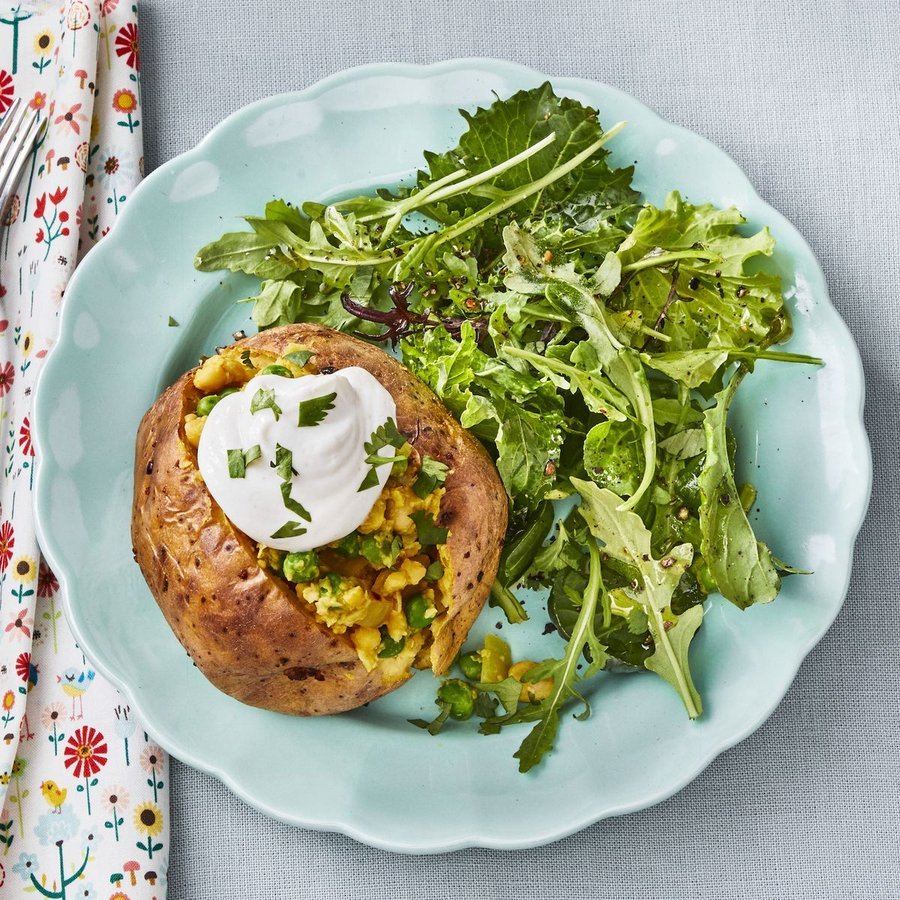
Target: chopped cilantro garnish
284 463
427 532
238 460
431 474
289 530
383 436
292 504
370 481
299 357
265 399
386 435
314 410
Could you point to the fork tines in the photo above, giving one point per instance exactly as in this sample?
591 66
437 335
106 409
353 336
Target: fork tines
18 134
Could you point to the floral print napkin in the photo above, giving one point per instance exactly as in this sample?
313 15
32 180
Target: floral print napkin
85 811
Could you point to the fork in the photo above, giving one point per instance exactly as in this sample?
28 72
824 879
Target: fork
18 135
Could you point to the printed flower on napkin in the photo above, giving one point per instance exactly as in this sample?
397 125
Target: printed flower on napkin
86 808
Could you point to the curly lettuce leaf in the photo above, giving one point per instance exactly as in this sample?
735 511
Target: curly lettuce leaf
522 416
686 269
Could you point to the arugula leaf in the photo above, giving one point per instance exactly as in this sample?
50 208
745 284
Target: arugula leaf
311 412
237 251
264 398
564 673
431 474
626 538
670 659
519 414
685 444
691 367
528 445
743 568
553 556
289 530
575 367
612 456
277 303
427 533
694 368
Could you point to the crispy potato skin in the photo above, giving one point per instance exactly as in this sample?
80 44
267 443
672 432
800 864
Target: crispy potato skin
245 628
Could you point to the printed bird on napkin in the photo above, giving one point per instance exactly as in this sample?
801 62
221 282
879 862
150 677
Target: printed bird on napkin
85 811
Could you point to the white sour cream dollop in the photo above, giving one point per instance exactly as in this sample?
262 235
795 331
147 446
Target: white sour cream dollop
329 458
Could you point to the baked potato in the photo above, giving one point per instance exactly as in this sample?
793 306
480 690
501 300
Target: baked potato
324 641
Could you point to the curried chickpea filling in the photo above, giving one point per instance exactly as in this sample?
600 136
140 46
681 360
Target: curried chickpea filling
382 586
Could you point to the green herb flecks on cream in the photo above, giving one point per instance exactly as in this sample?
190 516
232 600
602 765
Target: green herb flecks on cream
301 495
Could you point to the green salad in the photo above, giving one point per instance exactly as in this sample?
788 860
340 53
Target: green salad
594 344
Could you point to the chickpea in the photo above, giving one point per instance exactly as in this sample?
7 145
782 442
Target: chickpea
539 690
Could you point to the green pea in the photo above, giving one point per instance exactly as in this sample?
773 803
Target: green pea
470 663
349 545
228 391
416 609
389 647
205 404
275 369
302 566
459 696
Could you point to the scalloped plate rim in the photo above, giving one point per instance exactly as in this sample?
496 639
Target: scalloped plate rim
344 825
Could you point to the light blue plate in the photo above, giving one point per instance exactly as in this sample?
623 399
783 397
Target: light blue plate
368 773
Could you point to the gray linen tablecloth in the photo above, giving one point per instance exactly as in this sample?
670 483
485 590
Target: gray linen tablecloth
805 96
